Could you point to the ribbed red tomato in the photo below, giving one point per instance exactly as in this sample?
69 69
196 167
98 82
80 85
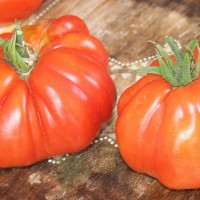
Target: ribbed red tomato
158 125
56 91
17 9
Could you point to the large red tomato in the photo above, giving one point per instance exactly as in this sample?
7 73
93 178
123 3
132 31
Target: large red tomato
17 9
56 91
158 125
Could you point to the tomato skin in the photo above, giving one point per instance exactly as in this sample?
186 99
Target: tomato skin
61 106
50 29
66 24
76 85
16 9
158 130
86 44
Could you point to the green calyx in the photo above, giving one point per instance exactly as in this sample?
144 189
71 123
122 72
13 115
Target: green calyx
21 56
184 70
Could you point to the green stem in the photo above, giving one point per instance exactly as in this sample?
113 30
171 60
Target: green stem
19 54
185 70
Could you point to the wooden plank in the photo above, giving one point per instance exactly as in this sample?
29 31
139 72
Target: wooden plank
99 172
126 26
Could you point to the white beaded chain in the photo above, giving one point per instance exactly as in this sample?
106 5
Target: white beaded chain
114 61
43 12
59 159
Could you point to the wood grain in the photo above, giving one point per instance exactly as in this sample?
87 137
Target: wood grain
125 26
98 172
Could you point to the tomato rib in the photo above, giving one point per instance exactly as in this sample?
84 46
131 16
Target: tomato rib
66 116
86 76
82 45
181 132
136 135
39 119
130 92
8 80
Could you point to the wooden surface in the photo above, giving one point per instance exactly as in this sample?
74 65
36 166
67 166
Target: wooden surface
99 173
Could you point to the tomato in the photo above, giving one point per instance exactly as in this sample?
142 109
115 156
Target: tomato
158 125
17 9
57 104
